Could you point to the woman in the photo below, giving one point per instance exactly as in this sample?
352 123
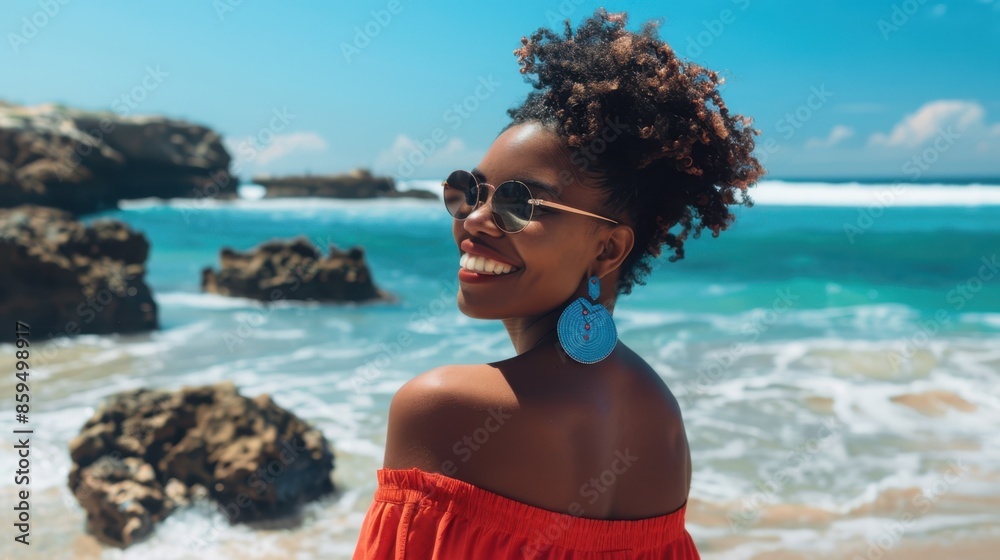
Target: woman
575 447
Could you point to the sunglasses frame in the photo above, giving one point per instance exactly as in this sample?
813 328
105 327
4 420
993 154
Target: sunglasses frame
480 201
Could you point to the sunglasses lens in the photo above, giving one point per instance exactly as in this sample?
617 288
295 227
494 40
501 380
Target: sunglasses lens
461 192
510 206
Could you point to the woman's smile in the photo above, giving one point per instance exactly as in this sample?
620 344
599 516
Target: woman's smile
485 265
475 268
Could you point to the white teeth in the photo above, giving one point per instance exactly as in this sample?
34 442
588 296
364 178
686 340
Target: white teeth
483 265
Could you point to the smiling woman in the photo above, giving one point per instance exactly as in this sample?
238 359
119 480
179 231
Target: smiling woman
574 447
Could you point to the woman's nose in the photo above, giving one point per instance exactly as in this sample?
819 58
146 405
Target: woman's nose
481 219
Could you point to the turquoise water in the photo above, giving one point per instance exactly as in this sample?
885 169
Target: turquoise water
911 256
832 325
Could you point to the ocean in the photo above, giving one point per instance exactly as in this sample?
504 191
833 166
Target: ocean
836 355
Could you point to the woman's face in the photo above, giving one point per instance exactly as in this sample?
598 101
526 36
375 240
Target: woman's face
552 254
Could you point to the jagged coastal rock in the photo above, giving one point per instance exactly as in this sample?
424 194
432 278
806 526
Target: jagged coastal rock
84 161
146 452
64 277
296 270
359 183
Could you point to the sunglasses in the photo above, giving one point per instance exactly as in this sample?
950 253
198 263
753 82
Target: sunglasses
512 203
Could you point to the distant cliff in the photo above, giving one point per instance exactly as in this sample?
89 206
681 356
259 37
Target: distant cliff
359 183
87 161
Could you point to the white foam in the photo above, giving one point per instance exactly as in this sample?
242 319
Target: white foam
216 301
990 319
277 203
251 191
771 192
782 193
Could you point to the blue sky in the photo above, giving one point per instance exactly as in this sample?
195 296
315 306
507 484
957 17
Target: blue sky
839 89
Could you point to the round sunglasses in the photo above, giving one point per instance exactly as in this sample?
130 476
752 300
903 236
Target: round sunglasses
512 203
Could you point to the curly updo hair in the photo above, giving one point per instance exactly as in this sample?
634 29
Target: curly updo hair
638 120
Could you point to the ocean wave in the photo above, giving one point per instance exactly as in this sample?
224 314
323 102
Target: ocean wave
215 301
277 203
768 193
784 193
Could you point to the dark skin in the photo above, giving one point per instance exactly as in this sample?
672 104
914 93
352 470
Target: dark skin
602 440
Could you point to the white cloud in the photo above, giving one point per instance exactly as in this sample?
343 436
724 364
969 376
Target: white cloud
943 137
409 158
284 144
917 128
837 134
257 152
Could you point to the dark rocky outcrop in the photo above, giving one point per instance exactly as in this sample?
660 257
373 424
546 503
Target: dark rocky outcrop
123 499
359 183
64 277
295 270
86 161
144 453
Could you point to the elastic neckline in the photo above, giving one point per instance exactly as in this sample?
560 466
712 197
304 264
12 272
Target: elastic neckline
538 527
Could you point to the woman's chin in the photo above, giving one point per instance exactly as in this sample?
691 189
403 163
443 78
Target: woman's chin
479 311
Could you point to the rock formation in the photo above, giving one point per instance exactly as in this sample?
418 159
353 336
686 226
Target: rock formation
63 277
295 270
144 453
86 161
359 183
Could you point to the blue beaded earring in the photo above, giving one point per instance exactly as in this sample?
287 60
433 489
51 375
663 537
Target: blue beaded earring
586 330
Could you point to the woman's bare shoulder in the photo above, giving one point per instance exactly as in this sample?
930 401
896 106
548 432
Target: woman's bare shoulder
655 427
430 410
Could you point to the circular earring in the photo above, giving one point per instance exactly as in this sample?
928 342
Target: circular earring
586 330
